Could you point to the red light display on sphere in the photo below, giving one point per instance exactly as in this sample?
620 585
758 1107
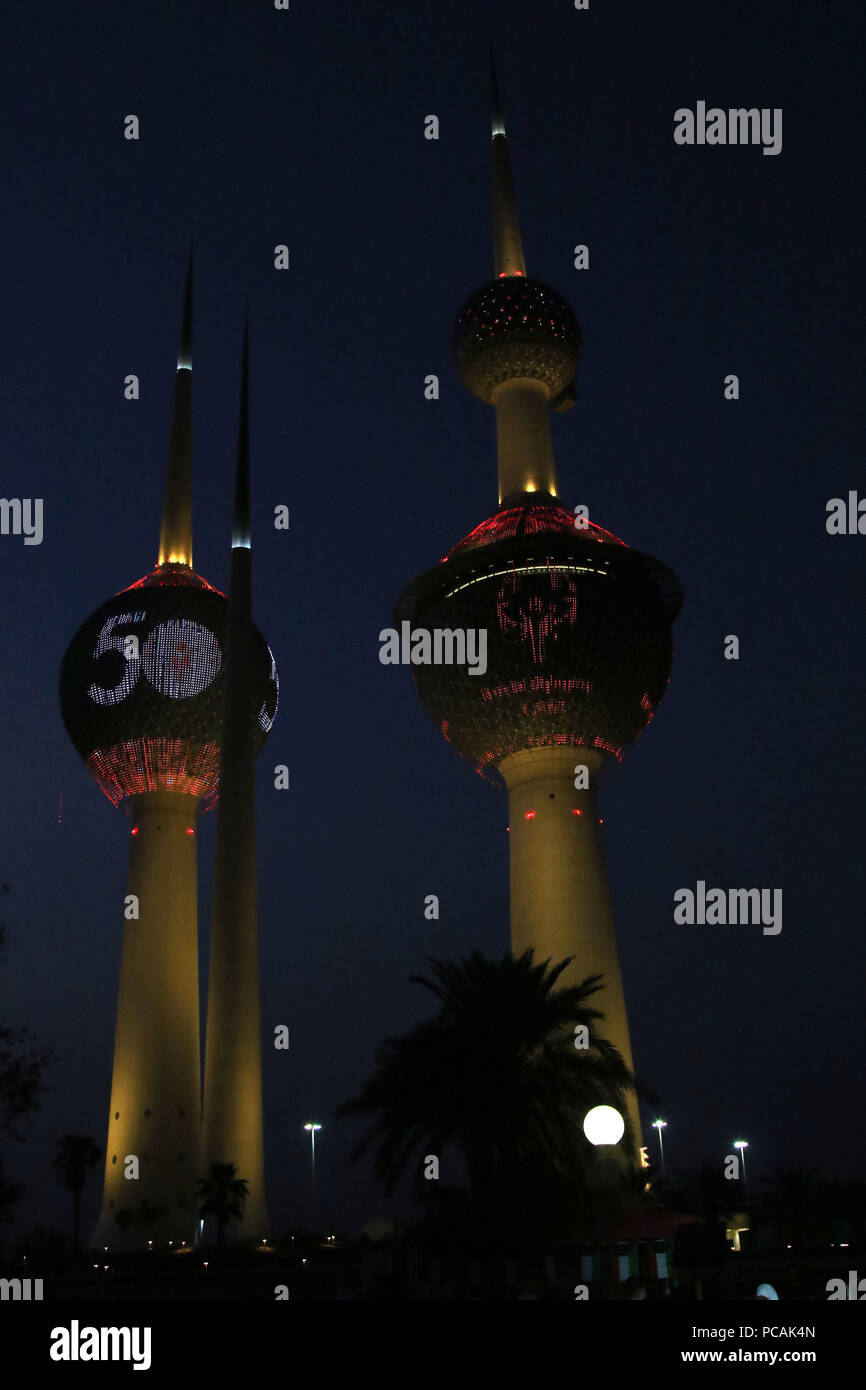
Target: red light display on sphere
157 765
540 608
578 634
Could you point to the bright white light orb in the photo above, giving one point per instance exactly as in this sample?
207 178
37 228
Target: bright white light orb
603 1125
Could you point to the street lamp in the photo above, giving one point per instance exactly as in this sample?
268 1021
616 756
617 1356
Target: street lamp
660 1125
604 1127
312 1127
742 1145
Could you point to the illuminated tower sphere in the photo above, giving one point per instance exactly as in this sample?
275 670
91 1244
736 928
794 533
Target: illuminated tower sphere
141 689
578 627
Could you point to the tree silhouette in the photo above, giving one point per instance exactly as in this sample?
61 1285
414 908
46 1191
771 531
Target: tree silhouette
47 1249
706 1191
224 1196
145 1215
853 1211
10 1194
23 1064
75 1154
792 1203
496 1073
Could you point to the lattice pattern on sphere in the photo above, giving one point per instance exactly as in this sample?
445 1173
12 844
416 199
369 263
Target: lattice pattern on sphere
141 687
516 327
579 641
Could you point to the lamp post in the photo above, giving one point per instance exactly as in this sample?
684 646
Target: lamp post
660 1125
742 1145
312 1127
604 1127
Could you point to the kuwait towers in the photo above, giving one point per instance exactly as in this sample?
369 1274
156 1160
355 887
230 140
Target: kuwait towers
578 626
142 688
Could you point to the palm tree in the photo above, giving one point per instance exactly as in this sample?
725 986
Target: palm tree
75 1154
10 1193
48 1249
23 1063
853 1202
706 1191
792 1202
494 1072
224 1196
145 1215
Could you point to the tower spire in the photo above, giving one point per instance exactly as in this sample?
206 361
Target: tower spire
507 246
517 343
241 520
175 537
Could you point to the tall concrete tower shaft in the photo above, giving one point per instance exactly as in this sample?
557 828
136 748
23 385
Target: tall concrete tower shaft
155 1109
141 692
578 627
560 898
232 1129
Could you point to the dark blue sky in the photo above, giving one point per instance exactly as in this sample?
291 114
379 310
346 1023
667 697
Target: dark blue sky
261 127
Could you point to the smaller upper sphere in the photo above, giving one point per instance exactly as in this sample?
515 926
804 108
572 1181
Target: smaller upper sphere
516 327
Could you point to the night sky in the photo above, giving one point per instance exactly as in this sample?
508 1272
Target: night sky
261 127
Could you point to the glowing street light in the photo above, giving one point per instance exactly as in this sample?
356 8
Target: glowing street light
312 1127
603 1125
660 1125
742 1145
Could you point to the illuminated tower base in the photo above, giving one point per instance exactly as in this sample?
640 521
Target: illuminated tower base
156 1083
560 902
